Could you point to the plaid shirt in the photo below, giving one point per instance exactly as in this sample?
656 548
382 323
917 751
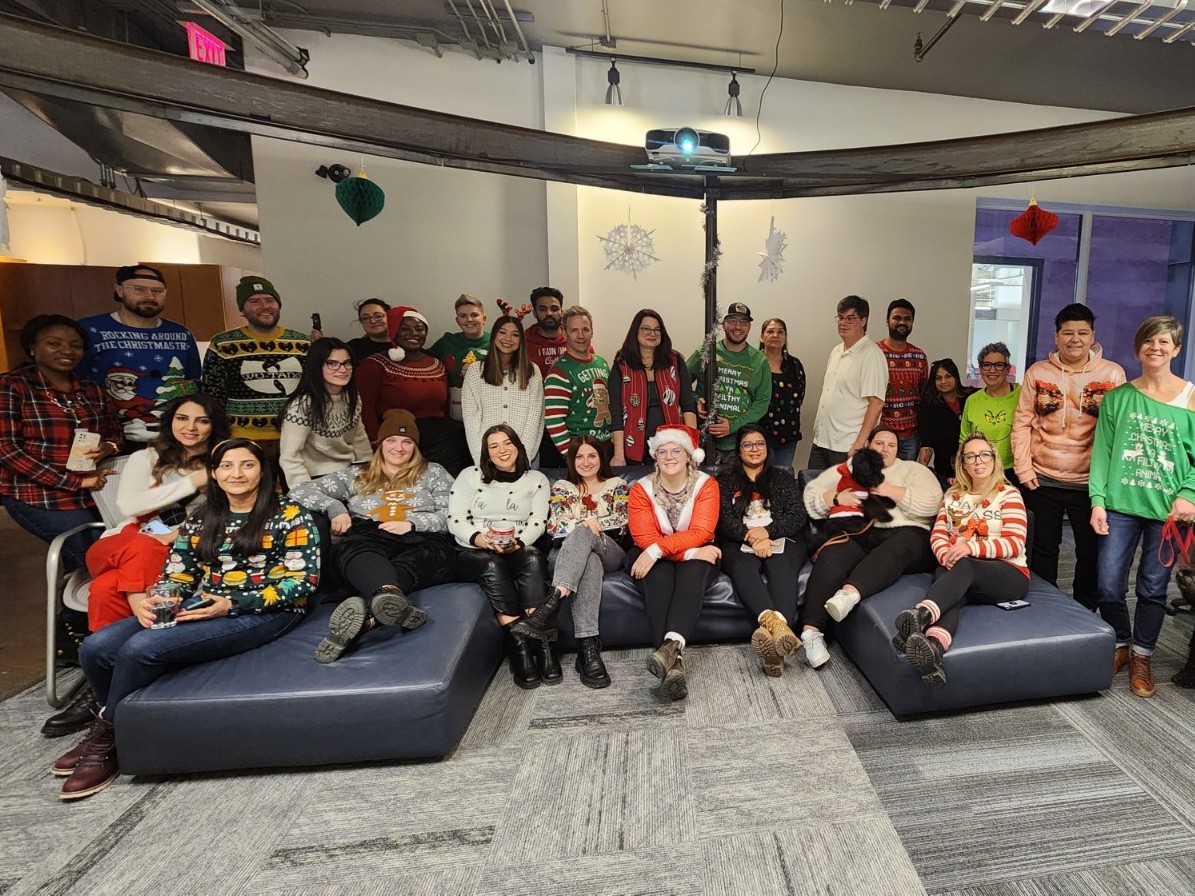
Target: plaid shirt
36 434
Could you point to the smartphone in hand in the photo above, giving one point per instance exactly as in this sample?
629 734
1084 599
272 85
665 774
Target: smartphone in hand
198 602
316 323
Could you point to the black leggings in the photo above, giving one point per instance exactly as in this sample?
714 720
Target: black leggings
974 581
367 560
673 592
747 571
512 582
870 562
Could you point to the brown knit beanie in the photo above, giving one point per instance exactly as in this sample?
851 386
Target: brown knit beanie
398 422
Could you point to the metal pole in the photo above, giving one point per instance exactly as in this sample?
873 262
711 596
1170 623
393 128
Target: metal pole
710 282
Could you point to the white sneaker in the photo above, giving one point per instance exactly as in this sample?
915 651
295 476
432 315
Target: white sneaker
841 604
814 643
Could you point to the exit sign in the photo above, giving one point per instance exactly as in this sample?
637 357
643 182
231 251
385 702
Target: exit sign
204 46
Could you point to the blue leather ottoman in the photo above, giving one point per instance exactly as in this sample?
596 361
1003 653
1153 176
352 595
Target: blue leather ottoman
1054 648
397 695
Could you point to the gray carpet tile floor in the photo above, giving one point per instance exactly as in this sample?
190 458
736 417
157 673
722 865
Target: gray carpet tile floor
754 785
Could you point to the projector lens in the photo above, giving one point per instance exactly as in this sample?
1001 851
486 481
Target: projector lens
687 140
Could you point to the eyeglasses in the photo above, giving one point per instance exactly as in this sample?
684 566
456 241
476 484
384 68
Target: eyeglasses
847 318
671 452
753 446
973 457
372 318
156 291
339 365
993 365
650 331
736 320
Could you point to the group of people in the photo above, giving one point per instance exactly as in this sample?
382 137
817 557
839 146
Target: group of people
385 466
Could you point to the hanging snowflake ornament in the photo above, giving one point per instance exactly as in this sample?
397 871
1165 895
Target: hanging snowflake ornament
629 249
771 263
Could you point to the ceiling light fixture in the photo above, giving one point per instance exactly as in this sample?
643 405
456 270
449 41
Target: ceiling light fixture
613 91
734 108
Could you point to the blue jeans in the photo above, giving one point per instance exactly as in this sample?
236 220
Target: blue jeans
1116 556
782 455
124 657
49 524
908 446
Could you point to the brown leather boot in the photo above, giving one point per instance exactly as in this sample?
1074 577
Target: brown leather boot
663 659
1120 659
773 641
1141 676
97 766
675 685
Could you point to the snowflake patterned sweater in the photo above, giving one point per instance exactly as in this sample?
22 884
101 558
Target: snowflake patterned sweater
424 504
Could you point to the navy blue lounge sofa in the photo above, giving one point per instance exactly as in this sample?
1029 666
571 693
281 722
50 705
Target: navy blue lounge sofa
411 695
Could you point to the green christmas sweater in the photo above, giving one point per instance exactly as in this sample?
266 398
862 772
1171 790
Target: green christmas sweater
577 400
742 389
992 417
457 351
1143 456
254 375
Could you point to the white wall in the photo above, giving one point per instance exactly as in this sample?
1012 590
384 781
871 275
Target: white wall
491 235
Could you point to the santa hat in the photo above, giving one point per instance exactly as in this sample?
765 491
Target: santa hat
393 320
677 434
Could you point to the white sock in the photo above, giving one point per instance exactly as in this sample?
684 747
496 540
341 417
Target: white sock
673 636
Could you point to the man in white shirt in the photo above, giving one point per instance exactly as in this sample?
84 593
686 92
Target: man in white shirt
853 390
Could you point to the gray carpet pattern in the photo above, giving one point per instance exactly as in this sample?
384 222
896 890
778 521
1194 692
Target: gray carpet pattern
799 785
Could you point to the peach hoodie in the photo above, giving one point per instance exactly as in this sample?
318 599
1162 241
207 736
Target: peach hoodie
1054 426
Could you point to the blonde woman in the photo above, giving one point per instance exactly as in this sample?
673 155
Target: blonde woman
393 514
978 540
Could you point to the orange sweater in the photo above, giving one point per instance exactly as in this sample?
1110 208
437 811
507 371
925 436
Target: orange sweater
653 533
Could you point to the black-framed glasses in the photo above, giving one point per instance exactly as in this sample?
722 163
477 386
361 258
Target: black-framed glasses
993 365
972 457
650 331
753 446
338 365
371 318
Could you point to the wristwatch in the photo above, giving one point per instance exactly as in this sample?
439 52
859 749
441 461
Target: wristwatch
233 610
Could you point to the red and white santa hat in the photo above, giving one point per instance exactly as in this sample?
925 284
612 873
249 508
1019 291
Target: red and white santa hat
677 434
393 320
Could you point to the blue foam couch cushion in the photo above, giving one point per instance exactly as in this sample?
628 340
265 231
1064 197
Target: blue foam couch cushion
395 695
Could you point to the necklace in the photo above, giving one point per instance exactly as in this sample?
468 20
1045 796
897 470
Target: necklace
70 402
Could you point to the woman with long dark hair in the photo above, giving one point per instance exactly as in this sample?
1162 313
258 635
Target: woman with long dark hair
497 511
761 525
782 422
393 515
43 408
672 518
587 519
503 387
321 423
938 418
157 488
649 387
249 558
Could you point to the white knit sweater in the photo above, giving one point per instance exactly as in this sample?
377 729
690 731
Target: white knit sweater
473 505
484 406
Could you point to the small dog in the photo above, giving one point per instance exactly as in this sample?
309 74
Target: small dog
863 472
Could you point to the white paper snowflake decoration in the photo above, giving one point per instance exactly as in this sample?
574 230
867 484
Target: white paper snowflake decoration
629 249
771 262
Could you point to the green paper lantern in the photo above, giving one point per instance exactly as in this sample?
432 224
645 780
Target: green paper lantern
360 198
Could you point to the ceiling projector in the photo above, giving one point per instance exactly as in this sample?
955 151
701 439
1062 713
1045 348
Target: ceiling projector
687 148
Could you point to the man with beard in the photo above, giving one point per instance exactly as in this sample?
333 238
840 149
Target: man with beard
254 368
141 359
908 372
742 384
546 342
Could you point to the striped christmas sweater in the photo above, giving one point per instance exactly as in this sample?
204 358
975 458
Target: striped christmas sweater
577 400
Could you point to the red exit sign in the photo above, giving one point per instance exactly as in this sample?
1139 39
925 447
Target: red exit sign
204 46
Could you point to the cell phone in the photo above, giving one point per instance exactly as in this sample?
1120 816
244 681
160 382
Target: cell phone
1013 604
198 602
155 526
316 323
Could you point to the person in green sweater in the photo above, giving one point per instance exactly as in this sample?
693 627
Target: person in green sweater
457 351
576 389
991 410
1142 472
743 385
